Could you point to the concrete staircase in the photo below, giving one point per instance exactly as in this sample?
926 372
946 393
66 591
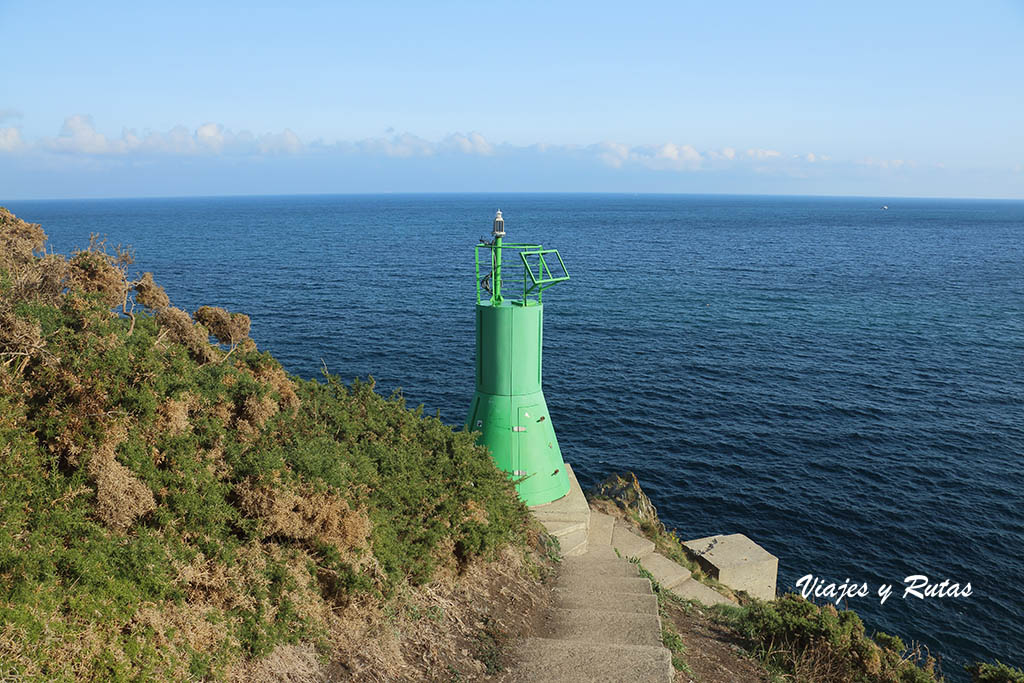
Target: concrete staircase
604 626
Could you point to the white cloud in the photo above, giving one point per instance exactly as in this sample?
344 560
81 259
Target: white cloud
405 145
763 154
887 164
79 135
79 138
10 139
667 156
474 143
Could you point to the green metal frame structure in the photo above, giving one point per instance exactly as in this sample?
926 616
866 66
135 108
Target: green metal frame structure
508 408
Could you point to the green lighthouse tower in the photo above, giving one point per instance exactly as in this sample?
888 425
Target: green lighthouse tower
508 408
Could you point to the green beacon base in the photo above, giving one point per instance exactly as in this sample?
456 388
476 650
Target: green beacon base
508 408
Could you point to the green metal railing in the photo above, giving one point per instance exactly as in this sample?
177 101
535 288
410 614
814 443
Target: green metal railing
535 270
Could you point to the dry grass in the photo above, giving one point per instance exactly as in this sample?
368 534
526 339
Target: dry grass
434 632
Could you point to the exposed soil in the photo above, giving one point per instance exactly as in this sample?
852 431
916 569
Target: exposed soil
713 652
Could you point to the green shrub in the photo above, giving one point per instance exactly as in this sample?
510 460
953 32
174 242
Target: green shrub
810 642
994 673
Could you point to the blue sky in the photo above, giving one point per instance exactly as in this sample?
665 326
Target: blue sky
870 98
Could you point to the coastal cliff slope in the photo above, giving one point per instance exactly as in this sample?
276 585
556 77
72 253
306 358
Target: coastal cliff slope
173 504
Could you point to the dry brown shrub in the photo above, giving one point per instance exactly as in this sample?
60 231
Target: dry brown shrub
209 582
150 294
215 462
366 646
19 336
228 328
286 664
431 631
277 379
172 415
180 328
303 514
224 411
256 410
19 239
39 280
476 512
120 497
95 271
182 622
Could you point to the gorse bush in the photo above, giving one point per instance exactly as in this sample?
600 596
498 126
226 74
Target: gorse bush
994 673
169 506
815 643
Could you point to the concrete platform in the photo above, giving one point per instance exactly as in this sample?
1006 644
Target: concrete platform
737 562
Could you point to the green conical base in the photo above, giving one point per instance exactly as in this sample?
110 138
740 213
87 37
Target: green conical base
508 408
519 434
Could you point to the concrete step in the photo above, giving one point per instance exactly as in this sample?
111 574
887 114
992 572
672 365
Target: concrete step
584 565
601 528
571 598
591 583
560 529
629 544
665 571
546 660
691 589
574 543
600 626
601 552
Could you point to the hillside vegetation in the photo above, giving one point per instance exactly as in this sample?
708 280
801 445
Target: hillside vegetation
176 506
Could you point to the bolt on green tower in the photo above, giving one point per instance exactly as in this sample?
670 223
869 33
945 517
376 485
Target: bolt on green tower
508 408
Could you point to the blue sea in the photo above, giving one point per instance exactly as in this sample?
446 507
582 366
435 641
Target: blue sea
843 384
